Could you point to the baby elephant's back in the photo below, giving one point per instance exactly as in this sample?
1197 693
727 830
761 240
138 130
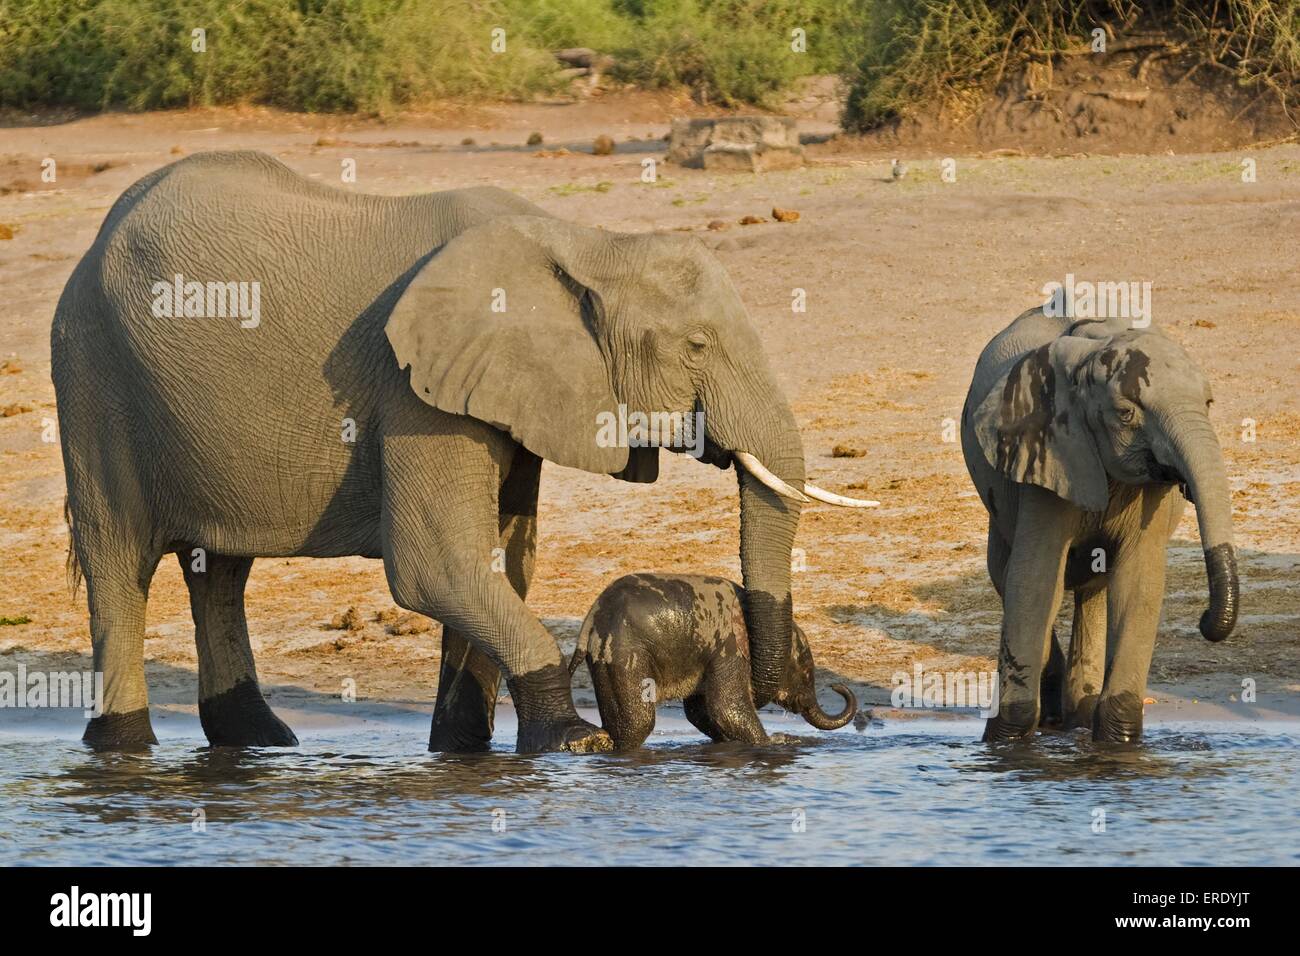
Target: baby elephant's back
672 617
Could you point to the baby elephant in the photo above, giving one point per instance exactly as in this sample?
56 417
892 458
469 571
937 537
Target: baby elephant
656 637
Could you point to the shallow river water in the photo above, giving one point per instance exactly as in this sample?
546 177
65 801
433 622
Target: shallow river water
910 792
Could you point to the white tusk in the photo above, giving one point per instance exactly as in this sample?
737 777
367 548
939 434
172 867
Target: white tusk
760 471
831 498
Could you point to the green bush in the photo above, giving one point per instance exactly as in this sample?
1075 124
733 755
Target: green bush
298 54
380 54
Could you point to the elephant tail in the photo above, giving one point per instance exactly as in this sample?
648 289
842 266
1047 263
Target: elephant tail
584 637
72 565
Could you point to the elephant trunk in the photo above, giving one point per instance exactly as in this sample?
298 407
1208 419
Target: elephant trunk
1199 461
767 526
814 714
746 413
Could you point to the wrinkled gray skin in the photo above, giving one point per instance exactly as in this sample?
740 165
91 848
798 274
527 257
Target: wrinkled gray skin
197 433
650 638
1078 436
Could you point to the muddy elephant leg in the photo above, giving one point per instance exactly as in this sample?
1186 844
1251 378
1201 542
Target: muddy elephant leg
231 706
1051 688
1086 665
729 702
627 700
1035 583
1135 594
469 681
117 574
697 712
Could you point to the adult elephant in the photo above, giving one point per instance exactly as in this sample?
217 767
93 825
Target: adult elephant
230 360
1079 436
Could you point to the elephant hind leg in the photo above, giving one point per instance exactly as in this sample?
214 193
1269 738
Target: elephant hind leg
231 706
117 569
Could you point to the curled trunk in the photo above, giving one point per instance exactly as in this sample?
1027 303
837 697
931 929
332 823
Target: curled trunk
824 721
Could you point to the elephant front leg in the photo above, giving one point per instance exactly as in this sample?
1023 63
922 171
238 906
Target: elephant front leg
1136 592
464 712
730 702
1086 664
440 529
1051 686
469 680
1035 582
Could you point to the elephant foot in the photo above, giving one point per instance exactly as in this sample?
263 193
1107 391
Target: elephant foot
1013 722
129 731
1118 719
1079 716
453 739
547 719
241 717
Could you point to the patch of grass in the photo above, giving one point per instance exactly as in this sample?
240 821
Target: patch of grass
570 189
13 621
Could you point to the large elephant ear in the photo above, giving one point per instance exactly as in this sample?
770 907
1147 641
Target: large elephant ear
1031 425
497 325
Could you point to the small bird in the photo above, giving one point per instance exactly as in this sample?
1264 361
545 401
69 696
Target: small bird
897 170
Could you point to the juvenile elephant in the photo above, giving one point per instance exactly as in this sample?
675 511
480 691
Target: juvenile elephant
1082 438
656 637
231 364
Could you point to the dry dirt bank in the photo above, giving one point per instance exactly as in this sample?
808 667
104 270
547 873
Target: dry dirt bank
905 282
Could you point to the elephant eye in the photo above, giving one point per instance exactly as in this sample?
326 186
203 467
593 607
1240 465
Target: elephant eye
698 341
1126 414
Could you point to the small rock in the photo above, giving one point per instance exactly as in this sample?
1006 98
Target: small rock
326 141
10 367
1204 324
177 151
752 220
6 232
17 408
717 225
784 215
602 145
897 170
388 615
534 139
845 451
467 141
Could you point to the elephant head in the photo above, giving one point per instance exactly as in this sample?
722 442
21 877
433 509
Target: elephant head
1105 402
798 692
553 331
